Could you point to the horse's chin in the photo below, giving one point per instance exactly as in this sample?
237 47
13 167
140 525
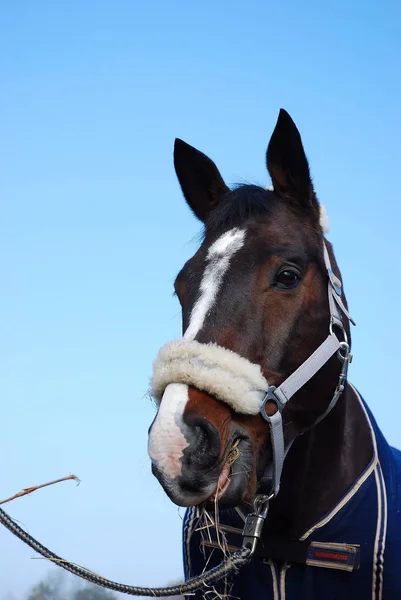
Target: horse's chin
230 491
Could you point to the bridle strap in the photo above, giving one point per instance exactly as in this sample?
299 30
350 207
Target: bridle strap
308 369
281 395
335 293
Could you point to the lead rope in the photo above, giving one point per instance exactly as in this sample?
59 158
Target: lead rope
251 535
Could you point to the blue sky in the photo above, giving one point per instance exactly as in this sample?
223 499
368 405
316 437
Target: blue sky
93 229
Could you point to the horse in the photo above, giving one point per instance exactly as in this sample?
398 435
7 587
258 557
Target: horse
254 398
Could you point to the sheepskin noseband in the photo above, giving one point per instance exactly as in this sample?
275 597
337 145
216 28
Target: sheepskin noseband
221 373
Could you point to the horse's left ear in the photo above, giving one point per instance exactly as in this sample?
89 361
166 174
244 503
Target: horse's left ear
200 180
288 165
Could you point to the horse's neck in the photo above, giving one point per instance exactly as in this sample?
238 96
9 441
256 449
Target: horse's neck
321 466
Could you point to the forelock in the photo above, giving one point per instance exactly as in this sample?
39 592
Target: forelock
238 206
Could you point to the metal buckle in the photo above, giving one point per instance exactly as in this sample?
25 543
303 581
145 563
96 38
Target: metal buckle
339 326
271 397
261 504
335 282
345 357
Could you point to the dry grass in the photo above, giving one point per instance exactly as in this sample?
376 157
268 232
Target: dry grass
29 490
208 521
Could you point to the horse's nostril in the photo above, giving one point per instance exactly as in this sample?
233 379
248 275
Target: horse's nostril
205 444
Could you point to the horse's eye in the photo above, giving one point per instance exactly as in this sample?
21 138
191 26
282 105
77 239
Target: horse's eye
287 278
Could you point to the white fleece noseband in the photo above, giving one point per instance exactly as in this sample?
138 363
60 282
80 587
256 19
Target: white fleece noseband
221 373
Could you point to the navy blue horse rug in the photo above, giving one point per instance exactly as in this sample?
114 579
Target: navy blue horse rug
350 554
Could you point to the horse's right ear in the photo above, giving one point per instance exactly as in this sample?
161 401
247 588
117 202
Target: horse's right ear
200 180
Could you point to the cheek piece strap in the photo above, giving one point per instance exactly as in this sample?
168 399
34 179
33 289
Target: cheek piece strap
282 394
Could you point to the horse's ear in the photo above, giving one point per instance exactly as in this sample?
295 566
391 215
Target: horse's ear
288 165
200 180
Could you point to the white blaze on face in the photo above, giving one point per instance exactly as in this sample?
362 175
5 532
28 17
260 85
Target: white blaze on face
167 441
218 261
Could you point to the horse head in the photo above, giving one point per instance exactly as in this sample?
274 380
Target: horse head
254 308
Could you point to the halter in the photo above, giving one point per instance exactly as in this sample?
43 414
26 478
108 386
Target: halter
239 383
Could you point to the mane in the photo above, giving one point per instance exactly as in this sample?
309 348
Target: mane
238 205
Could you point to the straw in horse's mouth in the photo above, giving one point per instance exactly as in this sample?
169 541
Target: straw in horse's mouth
224 479
234 453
